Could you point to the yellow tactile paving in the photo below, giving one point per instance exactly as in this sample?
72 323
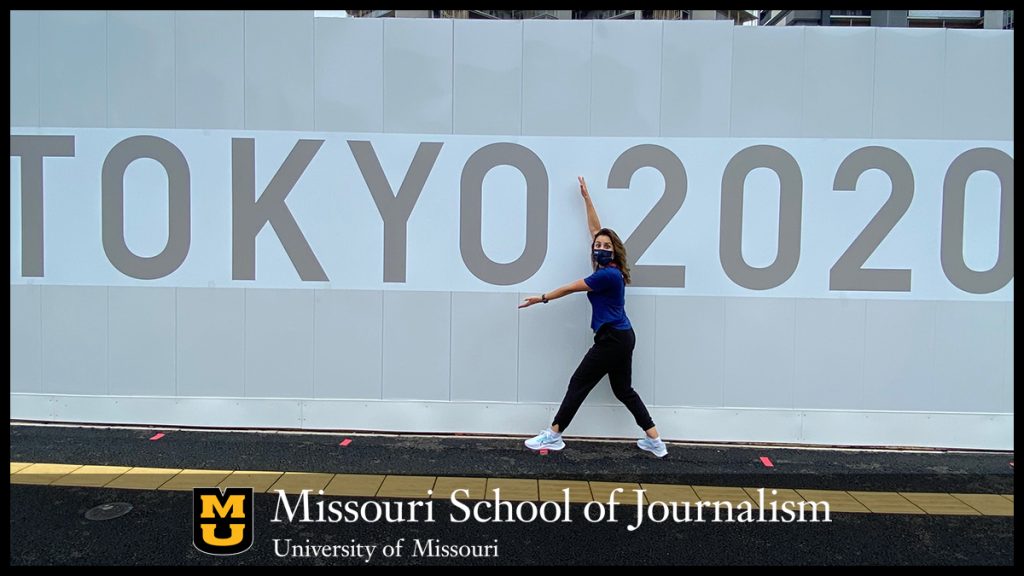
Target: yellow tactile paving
296 482
781 495
446 485
92 476
42 473
258 480
354 485
512 489
143 478
668 493
602 491
886 502
553 490
838 501
722 494
406 487
15 466
937 503
189 479
987 504
395 486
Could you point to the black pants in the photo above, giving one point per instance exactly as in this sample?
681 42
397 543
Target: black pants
611 354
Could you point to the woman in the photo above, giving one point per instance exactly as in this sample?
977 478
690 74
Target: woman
614 339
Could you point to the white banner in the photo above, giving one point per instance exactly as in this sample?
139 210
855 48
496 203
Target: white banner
808 218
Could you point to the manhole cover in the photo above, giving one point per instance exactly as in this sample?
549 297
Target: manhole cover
109 511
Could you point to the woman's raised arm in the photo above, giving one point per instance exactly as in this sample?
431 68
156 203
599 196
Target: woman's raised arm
592 220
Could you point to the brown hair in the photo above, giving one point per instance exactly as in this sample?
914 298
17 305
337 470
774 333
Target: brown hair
621 259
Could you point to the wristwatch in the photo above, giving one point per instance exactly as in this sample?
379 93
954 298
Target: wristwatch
544 298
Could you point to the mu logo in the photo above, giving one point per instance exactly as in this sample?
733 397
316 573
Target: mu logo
222 524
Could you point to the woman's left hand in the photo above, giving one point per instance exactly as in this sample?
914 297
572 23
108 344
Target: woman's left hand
530 301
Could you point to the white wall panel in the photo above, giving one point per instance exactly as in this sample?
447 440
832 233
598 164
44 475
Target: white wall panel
690 351
349 74
971 341
348 344
74 337
977 87
279 70
279 343
209 69
417 345
418 76
838 82
211 342
26 339
24 68
556 77
829 353
73 68
899 369
485 346
696 78
626 86
488 77
767 81
142 343
759 353
909 80
140 69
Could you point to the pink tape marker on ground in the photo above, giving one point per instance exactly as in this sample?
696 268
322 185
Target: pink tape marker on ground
346 441
766 462
158 436
544 452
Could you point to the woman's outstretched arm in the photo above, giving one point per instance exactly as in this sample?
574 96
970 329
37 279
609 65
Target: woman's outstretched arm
592 220
577 286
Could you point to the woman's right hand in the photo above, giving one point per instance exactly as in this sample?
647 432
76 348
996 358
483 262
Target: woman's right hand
527 302
583 188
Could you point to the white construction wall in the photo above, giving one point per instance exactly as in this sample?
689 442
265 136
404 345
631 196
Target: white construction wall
841 200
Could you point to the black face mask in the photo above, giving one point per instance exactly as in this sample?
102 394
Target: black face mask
603 257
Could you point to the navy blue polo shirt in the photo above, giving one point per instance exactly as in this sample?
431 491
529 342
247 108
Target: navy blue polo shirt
608 298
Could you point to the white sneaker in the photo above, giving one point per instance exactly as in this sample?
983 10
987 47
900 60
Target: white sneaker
546 440
656 447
